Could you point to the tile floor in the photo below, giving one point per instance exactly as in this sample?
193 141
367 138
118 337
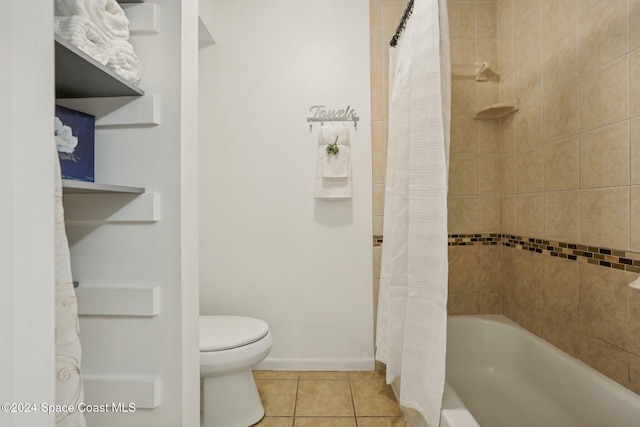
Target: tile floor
327 399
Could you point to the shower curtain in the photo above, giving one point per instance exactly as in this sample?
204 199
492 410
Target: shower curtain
69 389
412 317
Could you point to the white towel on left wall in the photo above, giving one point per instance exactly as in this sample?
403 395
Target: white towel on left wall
333 171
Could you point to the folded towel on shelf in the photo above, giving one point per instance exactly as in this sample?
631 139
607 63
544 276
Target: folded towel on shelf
333 171
101 30
109 17
83 34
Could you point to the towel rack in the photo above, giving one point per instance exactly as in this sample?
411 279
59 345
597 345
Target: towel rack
320 114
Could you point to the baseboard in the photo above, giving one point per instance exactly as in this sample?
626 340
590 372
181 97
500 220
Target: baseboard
278 364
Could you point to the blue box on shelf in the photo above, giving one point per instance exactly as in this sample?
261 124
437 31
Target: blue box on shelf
75 141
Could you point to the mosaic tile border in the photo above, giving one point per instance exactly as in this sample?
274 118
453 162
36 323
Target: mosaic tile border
604 257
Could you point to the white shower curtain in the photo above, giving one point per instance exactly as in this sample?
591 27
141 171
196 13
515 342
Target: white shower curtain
412 316
69 390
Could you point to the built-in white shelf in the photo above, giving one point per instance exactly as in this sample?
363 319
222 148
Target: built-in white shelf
143 392
81 187
133 301
130 1
496 111
78 75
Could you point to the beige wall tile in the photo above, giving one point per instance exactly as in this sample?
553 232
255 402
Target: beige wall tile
529 78
634 137
488 137
378 221
462 20
634 24
488 51
604 217
504 19
378 199
506 66
603 299
463 215
558 19
634 373
527 35
463 51
528 291
530 215
634 325
560 61
560 302
463 97
489 212
508 166
522 7
529 171
634 214
463 175
561 111
378 137
529 126
489 174
464 136
562 215
604 157
634 84
491 277
379 166
464 302
604 95
605 358
562 164
464 268
377 261
377 104
486 20
487 93
508 135
603 36
509 215
586 7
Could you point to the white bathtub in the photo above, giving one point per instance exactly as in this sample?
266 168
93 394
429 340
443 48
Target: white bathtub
508 377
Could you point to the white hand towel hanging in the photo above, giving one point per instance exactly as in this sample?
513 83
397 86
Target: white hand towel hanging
333 171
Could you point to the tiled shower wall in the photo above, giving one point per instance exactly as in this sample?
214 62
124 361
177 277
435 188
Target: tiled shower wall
544 204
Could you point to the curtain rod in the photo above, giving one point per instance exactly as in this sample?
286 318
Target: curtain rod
402 24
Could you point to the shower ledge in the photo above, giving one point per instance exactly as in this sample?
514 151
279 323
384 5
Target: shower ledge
496 111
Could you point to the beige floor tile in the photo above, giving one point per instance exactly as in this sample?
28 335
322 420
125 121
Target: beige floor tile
323 375
325 422
381 422
374 398
278 396
275 422
367 375
324 398
275 375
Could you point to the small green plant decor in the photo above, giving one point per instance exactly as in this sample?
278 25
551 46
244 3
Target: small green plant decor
332 149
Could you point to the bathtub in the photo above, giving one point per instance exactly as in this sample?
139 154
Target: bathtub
501 375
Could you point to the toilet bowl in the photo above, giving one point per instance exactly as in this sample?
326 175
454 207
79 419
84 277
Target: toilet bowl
229 347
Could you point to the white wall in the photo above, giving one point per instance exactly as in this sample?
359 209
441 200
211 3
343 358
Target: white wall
26 209
159 254
268 249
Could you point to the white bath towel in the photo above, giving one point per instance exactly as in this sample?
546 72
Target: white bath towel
333 172
101 30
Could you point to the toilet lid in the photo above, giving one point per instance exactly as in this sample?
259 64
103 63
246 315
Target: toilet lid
227 332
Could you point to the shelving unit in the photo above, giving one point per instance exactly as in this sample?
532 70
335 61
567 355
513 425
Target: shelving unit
81 187
496 111
80 76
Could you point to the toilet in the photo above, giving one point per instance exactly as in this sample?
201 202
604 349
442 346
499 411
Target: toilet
229 347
